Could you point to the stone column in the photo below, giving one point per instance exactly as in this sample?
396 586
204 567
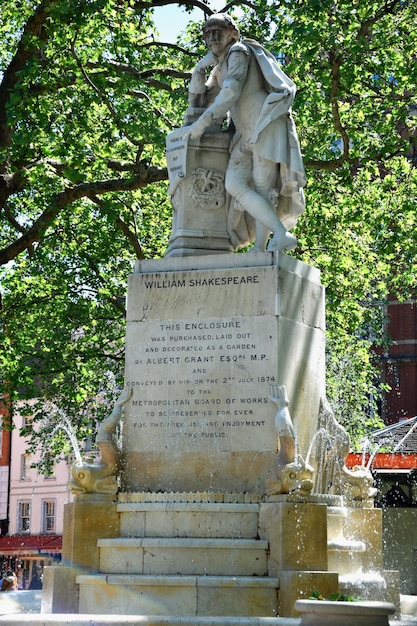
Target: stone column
85 521
297 536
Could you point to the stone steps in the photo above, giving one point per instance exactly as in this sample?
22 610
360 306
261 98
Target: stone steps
181 556
188 519
185 559
240 596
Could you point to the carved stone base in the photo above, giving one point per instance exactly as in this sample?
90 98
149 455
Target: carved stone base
200 201
197 496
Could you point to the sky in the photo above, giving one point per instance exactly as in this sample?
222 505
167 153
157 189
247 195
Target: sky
172 19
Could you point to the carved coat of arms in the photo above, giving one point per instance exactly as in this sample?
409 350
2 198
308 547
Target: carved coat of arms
206 187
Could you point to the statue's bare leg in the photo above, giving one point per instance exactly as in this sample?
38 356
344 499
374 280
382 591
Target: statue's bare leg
265 183
262 236
255 201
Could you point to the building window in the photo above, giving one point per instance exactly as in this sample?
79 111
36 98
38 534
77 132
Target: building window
24 467
48 516
24 518
26 420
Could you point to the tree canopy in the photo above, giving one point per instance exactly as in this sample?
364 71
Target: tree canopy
88 93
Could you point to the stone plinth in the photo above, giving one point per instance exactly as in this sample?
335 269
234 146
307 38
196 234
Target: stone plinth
60 592
168 519
200 201
297 535
178 596
206 336
84 523
132 620
297 538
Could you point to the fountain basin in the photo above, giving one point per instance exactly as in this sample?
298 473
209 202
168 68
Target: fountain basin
320 612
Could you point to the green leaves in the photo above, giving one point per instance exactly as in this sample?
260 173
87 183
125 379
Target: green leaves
334 597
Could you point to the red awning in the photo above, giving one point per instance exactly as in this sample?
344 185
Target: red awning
25 544
384 461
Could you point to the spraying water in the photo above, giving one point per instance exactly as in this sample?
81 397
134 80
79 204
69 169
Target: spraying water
65 425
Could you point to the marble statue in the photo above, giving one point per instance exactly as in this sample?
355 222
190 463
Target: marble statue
332 448
101 477
294 475
110 453
265 174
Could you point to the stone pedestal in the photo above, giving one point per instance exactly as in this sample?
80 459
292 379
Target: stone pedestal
84 523
366 525
369 581
297 535
197 535
60 592
297 538
206 336
200 201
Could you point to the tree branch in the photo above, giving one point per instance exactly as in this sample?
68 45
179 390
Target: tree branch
194 4
162 3
33 31
335 91
390 8
334 164
130 236
329 166
167 44
131 70
10 184
229 5
35 233
103 98
96 270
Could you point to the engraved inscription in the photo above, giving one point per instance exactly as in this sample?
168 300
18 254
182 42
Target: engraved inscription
195 381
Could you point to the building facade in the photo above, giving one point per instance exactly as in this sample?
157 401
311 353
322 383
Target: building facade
5 437
35 513
399 362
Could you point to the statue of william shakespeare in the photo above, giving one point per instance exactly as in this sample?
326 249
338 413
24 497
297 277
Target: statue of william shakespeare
265 174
